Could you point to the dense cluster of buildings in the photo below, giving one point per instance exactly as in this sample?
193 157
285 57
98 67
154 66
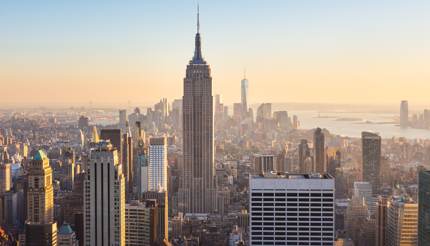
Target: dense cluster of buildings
192 173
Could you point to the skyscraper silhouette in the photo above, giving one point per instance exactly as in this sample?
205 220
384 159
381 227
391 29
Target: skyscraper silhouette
371 157
198 188
319 152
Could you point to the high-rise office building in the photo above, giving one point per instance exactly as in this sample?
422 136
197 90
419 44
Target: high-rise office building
68 169
282 119
356 215
424 208
304 156
141 223
104 198
292 209
157 175
404 114
114 136
244 95
122 119
198 191
264 112
363 190
402 223
319 151
264 164
5 173
163 213
40 227
371 158
122 141
381 221
142 171
127 160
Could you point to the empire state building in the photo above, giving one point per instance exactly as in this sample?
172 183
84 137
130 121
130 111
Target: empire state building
198 191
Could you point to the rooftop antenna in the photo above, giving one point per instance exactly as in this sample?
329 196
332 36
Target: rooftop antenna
244 73
198 18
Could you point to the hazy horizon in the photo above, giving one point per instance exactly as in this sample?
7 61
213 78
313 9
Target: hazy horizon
112 53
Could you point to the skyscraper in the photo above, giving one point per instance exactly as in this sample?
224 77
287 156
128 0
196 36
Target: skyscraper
141 223
5 174
41 229
162 204
264 164
104 198
424 208
304 155
122 119
244 96
404 114
198 190
371 157
291 209
127 160
157 173
319 151
402 223
381 221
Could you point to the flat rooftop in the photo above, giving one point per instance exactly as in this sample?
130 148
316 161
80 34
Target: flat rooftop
281 175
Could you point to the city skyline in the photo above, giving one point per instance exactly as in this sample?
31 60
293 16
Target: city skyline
286 47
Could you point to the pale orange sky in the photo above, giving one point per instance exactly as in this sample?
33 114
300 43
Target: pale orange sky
333 53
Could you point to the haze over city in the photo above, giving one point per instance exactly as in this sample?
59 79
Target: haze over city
214 123
111 52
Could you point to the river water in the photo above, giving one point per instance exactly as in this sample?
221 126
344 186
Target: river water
352 124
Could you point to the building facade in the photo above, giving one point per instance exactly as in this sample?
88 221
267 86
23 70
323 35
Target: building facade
104 198
157 175
371 158
40 227
292 209
402 223
141 223
198 191
264 164
244 96
424 208
404 114
319 151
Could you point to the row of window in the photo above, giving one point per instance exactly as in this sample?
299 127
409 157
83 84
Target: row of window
307 228
293 194
282 209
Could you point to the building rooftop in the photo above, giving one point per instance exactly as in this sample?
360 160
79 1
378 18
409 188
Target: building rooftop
281 175
65 229
40 155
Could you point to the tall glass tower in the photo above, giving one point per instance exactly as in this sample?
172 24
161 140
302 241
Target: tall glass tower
424 208
244 95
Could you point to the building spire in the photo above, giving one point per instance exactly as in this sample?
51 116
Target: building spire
198 58
198 18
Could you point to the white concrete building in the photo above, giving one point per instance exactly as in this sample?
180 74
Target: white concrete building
157 169
292 209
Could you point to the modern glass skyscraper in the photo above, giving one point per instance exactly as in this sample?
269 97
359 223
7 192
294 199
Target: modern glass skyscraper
371 157
424 208
404 114
244 96
198 187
